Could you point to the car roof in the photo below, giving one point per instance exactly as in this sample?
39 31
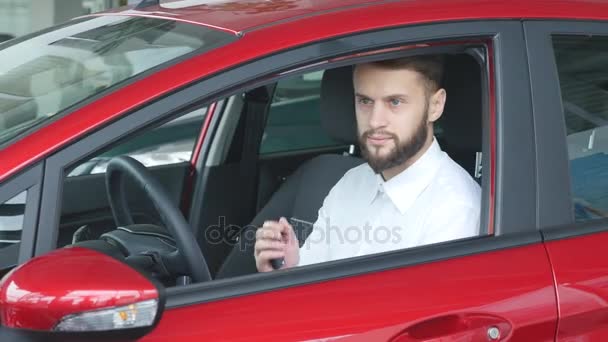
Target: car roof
248 15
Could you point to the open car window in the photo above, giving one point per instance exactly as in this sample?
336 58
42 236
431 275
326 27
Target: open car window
233 192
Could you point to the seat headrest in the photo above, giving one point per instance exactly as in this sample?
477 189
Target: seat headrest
461 119
338 105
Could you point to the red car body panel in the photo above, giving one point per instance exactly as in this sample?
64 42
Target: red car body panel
29 292
457 300
244 15
581 274
511 289
252 15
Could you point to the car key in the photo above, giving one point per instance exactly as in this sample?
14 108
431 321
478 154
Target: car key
301 228
277 263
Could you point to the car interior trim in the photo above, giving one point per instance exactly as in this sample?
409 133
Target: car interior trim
229 119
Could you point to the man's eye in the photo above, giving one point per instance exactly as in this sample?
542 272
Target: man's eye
364 101
395 102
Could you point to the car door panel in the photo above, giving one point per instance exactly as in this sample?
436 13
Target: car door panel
471 291
170 176
449 300
94 210
444 297
581 274
567 69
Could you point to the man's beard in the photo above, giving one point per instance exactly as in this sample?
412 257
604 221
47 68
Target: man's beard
400 154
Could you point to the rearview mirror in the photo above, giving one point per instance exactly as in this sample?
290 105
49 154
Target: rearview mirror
79 292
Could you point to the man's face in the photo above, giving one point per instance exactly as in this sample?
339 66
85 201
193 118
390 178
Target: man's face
392 109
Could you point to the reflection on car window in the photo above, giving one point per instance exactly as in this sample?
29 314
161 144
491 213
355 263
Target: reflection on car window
167 144
583 76
294 118
43 75
11 220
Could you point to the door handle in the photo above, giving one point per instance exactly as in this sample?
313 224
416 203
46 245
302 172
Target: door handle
456 327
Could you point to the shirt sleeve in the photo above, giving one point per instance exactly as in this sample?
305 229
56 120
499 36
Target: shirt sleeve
451 222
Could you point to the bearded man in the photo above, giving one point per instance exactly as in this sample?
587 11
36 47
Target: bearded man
409 193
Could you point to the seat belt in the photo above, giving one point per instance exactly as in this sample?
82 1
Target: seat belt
257 102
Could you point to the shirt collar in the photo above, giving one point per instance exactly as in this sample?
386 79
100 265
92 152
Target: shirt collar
404 188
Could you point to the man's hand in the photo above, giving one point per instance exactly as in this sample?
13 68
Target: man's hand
275 240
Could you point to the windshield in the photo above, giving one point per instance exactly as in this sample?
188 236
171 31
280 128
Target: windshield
47 73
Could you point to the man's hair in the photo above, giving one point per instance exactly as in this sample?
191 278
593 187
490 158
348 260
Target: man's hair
429 66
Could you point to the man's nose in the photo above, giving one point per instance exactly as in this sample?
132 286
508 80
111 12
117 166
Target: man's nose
378 117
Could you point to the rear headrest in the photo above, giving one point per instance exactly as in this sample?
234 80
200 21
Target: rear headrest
338 105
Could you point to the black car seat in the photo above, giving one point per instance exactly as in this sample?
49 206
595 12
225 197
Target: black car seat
461 125
302 194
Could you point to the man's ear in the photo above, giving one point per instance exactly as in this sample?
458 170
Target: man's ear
436 105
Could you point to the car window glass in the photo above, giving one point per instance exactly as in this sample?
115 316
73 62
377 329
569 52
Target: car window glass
11 220
44 75
583 77
294 121
170 143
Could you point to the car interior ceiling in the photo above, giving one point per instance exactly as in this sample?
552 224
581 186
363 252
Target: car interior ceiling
233 197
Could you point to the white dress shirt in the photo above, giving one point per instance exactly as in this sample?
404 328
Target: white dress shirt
433 200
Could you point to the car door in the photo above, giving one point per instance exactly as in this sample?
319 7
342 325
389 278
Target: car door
570 87
495 287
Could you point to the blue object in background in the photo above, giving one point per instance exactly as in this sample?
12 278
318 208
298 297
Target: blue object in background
589 179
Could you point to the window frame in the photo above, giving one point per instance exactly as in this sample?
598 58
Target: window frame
555 205
512 212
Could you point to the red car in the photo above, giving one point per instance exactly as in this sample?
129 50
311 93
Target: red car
241 111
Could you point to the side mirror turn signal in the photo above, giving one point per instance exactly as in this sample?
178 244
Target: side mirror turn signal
77 290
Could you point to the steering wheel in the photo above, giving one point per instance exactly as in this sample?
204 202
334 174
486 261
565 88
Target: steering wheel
170 215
